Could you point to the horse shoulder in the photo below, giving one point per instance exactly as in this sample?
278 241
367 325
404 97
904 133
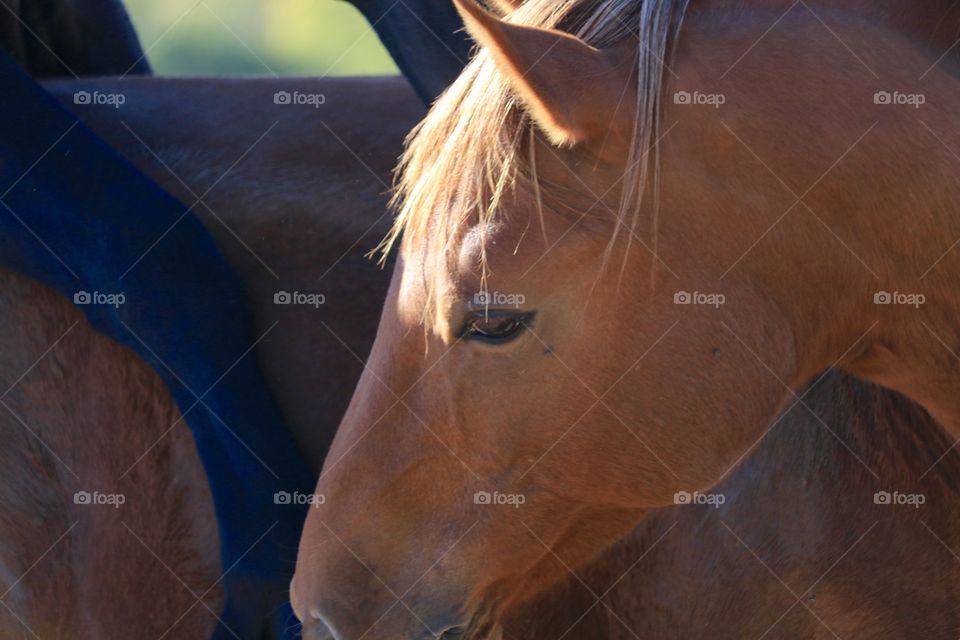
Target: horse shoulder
82 415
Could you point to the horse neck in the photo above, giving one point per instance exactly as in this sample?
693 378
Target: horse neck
880 216
825 479
932 22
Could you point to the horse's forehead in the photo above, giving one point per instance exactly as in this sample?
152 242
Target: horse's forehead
504 250
454 270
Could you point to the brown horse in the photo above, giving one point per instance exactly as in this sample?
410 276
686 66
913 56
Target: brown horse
138 559
90 551
297 196
799 550
604 297
802 500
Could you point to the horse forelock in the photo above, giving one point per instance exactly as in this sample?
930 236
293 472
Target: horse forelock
470 151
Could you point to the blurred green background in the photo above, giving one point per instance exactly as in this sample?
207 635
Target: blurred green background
286 37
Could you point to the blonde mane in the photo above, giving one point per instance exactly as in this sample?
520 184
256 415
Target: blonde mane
470 150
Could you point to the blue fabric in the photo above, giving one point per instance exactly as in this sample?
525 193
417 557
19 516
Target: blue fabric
98 215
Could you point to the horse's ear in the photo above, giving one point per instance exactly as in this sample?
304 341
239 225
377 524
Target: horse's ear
565 83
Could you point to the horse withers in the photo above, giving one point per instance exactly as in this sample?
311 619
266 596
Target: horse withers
617 267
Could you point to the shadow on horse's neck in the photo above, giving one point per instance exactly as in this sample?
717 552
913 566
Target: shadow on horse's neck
885 437
802 501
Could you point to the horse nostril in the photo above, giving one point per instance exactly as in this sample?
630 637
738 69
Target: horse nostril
452 633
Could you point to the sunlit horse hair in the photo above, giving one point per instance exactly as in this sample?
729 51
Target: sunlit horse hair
470 149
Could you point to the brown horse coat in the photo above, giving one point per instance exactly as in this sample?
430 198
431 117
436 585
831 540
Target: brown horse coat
800 509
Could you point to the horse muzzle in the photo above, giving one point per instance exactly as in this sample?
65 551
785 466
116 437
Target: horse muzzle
374 619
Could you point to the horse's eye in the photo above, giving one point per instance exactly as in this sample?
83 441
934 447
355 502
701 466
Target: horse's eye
495 327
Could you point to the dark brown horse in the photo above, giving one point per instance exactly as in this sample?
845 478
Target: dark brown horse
799 550
80 414
800 502
297 209
603 298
